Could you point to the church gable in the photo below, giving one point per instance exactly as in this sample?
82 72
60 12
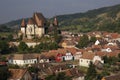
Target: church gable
39 19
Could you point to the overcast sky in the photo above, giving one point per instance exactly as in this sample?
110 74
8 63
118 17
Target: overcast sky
16 9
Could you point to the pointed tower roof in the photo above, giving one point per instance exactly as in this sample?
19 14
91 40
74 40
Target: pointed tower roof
39 19
55 21
23 24
30 21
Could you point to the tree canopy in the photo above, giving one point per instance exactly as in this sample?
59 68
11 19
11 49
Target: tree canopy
4 47
59 76
22 47
91 72
83 42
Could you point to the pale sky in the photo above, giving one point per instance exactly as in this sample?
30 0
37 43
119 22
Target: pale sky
17 9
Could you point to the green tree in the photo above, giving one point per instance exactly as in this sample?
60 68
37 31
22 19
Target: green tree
119 57
13 49
4 47
53 45
4 73
59 76
45 46
37 49
51 77
93 39
91 72
33 69
10 37
30 49
84 40
62 76
57 37
106 60
22 47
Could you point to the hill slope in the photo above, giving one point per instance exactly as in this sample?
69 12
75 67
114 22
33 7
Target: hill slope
103 19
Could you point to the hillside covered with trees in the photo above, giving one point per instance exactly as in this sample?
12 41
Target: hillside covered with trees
102 19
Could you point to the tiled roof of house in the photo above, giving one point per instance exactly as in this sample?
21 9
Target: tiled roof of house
17 73
74 72
60 50
88 55
114 35
24 56
110 54
112 77
113 47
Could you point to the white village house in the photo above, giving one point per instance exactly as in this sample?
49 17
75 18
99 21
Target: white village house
23 59
68 56
77 55
89 57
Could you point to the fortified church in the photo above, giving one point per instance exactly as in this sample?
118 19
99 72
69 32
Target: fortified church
35 26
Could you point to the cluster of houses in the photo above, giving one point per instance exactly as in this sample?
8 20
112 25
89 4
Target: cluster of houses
107 44
49 62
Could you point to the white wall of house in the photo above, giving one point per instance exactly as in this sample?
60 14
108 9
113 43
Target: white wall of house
97 58
84 62
79 78
23 62
77 55
23 30
40 31
33 44
44 60
97 42
68 56
106 50
32 29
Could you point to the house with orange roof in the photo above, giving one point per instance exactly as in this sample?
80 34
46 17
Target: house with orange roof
77 55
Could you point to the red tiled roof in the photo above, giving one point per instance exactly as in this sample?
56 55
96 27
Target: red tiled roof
88 55
110 54
114 35
61 51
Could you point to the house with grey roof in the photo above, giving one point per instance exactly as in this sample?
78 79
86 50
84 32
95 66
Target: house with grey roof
23 59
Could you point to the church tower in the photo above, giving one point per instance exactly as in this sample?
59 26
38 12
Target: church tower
23 27
55 22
